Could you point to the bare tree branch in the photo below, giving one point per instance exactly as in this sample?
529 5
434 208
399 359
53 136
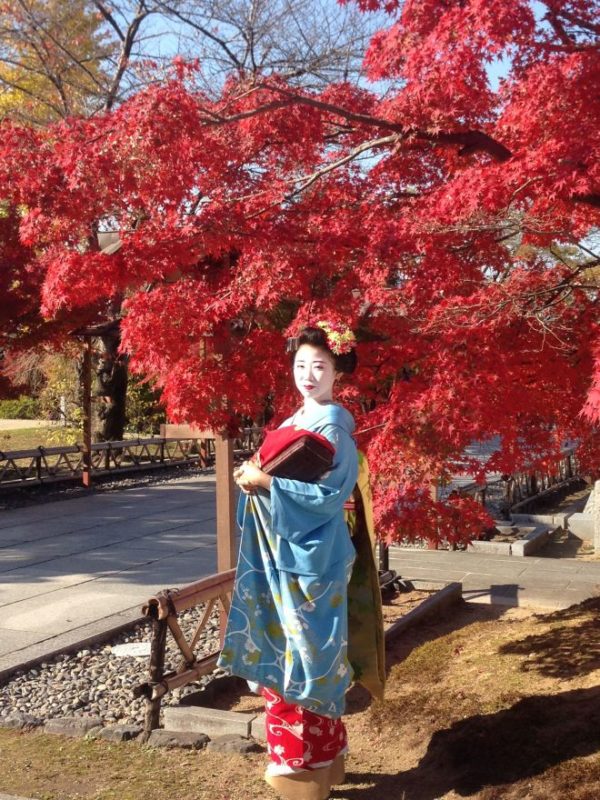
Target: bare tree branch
128 42
105 11
168 8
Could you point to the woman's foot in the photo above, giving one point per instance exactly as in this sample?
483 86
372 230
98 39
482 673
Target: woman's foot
337 771
309 784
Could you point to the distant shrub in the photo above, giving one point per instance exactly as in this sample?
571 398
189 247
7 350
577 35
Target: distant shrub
144 411
22 407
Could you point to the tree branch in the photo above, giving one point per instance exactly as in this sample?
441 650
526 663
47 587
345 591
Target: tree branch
128 42
590 199
470 141
110 19
168 9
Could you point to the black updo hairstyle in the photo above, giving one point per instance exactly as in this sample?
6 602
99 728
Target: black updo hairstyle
345 362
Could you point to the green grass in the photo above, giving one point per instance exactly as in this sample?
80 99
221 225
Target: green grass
30 438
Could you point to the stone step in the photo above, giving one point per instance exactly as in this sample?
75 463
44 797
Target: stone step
211 721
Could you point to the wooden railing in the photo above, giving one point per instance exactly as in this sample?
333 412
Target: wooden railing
516 491
526 488
163 610
51 464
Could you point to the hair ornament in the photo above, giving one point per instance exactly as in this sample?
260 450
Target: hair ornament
340 338
292 344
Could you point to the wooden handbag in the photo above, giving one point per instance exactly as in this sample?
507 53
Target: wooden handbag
296 453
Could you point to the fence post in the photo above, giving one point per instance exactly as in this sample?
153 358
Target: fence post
157 667
226 534
86 380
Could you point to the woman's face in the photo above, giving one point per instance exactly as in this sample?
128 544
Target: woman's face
314 373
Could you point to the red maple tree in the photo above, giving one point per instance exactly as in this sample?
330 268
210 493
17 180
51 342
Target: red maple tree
449 222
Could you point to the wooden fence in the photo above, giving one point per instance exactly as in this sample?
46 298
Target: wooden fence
515 491
162 610
51 464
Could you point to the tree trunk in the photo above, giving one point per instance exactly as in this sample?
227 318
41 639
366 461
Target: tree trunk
112 377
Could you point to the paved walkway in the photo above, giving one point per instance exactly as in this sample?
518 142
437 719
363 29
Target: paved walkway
73 569
538 582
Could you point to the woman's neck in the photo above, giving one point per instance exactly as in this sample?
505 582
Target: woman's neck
312 405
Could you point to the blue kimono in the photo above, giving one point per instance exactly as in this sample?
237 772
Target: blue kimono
288 624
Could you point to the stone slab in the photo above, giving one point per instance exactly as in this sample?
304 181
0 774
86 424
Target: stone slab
11 641
258 727
551 520
593 502
69 608
72 726
186 740
232 743
533 582
491 548
576 569
132 650
12 797
582 526
120 733
20 722
211 721
35 582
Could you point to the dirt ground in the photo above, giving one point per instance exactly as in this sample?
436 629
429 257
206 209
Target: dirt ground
485 703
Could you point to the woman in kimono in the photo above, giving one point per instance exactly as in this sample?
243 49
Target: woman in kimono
288 626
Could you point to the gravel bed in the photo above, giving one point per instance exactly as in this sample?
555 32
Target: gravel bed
21 496
95 682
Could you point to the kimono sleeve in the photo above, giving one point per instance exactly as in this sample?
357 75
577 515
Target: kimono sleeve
299 508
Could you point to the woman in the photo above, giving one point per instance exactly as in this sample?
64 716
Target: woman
288 626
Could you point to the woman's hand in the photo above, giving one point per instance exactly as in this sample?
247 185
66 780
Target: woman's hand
250 477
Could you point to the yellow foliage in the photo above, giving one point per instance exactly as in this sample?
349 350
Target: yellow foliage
51 59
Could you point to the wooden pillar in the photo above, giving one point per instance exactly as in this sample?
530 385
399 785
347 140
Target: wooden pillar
226 538
226 533
435 496
86 382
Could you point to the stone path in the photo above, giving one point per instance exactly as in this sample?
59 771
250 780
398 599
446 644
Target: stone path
72 569
538 582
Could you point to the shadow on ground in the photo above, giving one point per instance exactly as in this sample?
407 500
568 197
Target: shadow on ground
566 651
492 750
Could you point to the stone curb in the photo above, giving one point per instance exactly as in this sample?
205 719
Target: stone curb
443 599
532 542
529 544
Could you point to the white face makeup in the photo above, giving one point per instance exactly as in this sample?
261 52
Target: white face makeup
314 373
